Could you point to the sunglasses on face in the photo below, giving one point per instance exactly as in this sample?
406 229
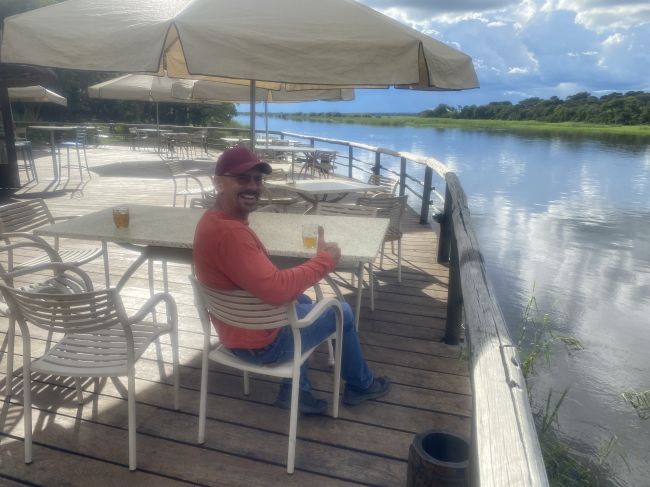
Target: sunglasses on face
244 179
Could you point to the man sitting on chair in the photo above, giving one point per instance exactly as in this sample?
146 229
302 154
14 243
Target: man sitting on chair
228 255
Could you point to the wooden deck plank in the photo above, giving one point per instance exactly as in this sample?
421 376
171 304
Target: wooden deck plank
246 436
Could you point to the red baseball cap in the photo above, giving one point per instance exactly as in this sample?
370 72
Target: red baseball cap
238 160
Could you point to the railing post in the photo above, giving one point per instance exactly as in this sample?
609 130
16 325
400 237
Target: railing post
402 176
377 168
444 237
350 160
426 196
454 299
311 142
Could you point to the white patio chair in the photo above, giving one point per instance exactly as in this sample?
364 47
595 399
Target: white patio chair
19 220
59 283
243 310
186 184
99 339
340 209
387 185
389 207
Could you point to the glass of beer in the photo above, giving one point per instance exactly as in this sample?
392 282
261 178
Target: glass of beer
121 217
310 235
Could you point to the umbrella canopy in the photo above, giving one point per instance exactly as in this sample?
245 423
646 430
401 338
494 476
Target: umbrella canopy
137 87
36 94
215 90
314 42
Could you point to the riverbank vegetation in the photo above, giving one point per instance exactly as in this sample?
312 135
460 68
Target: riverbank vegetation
615 113
567 463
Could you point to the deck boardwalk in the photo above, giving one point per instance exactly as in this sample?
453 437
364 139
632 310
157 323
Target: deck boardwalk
245 436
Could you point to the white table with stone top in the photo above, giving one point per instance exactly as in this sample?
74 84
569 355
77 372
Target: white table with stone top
167 233
328 189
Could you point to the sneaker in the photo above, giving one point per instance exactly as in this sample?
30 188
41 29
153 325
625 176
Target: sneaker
307 403
354 395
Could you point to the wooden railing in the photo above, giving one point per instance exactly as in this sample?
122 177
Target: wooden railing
505 447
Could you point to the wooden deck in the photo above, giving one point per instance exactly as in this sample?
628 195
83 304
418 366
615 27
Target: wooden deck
246 438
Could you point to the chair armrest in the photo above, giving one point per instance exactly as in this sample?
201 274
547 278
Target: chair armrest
33 241
150 305
320 308
83 281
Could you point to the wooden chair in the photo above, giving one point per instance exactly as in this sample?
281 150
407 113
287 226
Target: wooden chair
99 339
389 207
186 184
243 310
19 220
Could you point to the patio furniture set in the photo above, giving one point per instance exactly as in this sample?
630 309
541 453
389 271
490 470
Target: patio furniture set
99 339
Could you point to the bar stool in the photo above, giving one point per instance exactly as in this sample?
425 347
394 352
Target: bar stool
25 148
79 143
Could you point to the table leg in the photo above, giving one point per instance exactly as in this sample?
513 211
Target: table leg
55 166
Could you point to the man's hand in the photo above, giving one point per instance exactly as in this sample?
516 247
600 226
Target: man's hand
331 248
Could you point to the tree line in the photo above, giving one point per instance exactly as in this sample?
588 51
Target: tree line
631 108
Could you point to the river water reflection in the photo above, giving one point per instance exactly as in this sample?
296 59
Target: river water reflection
565 219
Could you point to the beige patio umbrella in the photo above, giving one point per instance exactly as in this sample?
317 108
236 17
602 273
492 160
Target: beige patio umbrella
140 87
36 94
215 90
273 43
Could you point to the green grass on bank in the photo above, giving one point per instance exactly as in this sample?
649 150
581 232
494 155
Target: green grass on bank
501 125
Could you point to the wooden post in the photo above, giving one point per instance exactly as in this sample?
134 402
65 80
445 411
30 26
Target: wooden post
444 238
350 160
8 172
426 196
377 168
402 176
454 299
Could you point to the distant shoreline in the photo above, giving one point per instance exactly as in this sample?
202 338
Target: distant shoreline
448 123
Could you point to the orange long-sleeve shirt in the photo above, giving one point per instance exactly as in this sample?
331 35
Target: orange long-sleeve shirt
228 255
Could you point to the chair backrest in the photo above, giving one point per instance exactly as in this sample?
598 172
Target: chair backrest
206 202
80 136
385 183
387 207
345 210
24 216
239 308
63 310
176 168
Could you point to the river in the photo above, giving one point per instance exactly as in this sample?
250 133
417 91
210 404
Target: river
565 219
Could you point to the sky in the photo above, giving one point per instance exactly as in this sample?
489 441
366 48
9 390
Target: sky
520 49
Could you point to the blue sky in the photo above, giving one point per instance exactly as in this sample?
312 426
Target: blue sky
520 49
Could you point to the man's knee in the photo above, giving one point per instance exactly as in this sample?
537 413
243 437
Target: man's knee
348 317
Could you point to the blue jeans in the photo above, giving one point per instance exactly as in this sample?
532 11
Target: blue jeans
354 368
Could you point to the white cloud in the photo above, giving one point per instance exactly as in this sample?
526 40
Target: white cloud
517 70
614 39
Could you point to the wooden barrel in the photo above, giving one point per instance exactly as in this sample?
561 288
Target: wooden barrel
438 459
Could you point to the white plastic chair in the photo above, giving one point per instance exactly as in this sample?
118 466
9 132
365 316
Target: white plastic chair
343 210
243 310
389 207
57 284
19 220
186 184
387 185
99 339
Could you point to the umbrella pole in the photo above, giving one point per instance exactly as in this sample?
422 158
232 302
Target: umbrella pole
158 129
252 115
266 121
